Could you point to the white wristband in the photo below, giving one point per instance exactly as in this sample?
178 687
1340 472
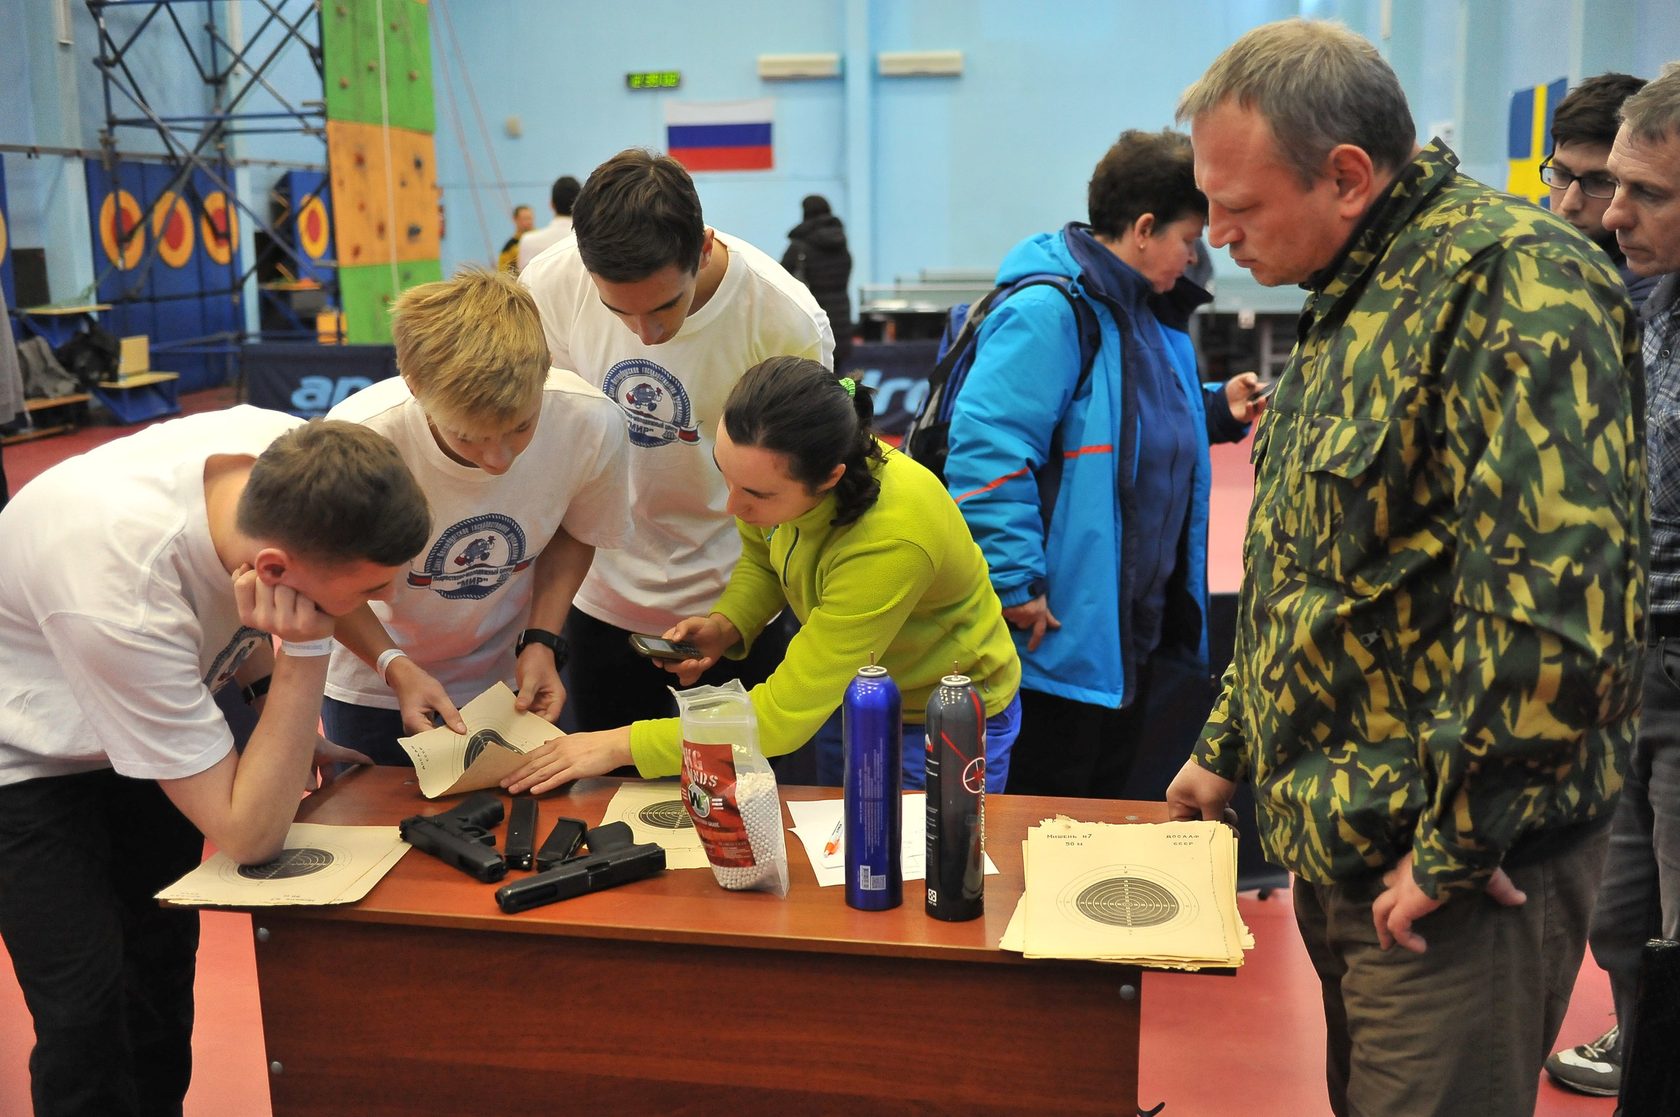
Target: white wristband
384 664
304 648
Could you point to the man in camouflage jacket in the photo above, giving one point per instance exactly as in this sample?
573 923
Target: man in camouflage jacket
1438 648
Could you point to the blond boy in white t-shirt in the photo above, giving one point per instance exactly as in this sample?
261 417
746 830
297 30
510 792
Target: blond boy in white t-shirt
525 467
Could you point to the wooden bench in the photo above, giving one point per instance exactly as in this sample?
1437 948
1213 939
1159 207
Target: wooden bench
61 414
140 396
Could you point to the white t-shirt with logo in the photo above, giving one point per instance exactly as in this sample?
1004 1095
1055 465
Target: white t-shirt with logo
465 598
672 395
117 619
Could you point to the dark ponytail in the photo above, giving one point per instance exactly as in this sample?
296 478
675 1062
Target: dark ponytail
796 407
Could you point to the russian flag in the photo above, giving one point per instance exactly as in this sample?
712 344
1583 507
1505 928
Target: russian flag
720 135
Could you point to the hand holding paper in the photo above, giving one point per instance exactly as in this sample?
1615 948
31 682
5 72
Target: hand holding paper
494 746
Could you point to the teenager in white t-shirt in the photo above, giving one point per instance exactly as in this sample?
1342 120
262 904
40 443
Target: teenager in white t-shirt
135 580
526 471
665 315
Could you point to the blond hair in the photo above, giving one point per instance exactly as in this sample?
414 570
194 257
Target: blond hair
1318 85
472 348
1653 114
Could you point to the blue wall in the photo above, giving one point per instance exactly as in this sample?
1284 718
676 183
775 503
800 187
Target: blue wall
927 172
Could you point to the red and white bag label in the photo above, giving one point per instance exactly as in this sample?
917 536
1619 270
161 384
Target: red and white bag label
709 789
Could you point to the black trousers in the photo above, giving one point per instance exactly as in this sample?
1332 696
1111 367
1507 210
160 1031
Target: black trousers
1070 748
106 972
609 685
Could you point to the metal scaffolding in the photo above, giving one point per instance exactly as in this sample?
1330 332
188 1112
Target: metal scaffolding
233 64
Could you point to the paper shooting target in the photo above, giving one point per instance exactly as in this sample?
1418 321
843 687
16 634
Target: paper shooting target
1127 896
300 862
669 815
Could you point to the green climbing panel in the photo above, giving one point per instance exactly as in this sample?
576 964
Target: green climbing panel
366 293
351 32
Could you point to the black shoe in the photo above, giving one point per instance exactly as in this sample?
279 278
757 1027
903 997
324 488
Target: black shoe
1592 1068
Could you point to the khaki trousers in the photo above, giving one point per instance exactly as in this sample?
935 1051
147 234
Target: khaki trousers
1463 1028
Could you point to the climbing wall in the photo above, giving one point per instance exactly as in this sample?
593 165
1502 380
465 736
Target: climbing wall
380 118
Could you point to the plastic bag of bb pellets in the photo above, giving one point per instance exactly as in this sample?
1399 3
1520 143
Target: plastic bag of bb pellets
730 789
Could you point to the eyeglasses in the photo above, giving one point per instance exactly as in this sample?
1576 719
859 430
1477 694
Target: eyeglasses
1595 185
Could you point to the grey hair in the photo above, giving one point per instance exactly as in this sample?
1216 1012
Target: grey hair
1653 114
1318 85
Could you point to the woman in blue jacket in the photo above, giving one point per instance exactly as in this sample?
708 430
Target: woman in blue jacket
1118 581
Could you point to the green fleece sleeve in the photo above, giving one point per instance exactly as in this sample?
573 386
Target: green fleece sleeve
754 593
868 592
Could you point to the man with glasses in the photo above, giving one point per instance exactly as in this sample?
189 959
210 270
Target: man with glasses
1639 894
1583 128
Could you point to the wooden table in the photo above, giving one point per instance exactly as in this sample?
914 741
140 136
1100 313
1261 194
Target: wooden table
671 995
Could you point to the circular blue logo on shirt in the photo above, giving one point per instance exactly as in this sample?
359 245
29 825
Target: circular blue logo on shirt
655 403
473 558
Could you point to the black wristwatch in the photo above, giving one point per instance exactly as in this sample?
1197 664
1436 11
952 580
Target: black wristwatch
256 690
553 641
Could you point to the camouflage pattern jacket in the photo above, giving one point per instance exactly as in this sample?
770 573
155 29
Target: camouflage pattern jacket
1439 636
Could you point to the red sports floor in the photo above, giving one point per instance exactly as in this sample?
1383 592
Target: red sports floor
1250 1044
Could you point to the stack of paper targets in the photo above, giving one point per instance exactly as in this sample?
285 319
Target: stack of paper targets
1161 895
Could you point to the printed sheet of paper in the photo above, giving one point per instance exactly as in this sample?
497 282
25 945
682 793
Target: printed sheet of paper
1159 894
656 813
820 825
497 737
319 865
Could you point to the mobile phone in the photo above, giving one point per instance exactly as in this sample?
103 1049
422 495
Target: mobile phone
657 647
1262 390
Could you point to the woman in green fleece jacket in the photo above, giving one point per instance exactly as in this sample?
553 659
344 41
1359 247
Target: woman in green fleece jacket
868 550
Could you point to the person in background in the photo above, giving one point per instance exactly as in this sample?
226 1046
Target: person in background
527 470
871 555
192 543
817 256
11 393
1438 641
508 258
562 196
1583 128
1639 897
1118 579
663 314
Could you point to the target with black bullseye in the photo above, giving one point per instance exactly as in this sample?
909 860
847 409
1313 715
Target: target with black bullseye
301 862
1130 896
669 815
